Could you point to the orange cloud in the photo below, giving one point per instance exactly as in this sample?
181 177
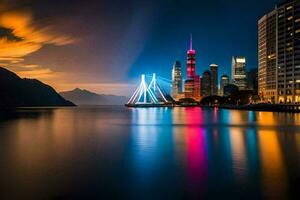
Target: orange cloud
26 38
31 37
22 25
12 50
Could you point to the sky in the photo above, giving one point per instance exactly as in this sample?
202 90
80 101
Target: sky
104 45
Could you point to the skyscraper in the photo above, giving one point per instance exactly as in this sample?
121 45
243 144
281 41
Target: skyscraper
288 52
191 62
238 72
176 80
224 82
192 84
267 57
252 80
279 54
214 79
206 83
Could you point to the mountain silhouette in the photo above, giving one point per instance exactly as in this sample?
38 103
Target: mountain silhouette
18 92
85 97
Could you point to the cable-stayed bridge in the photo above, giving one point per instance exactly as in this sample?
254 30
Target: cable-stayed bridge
157 92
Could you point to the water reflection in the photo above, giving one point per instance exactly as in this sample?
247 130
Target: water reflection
144 135
239 158
239 142
150 153
274 177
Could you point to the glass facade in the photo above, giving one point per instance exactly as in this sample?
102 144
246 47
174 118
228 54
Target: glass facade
238 70
279 54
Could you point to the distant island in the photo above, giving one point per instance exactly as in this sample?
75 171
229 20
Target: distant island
18 92
85 97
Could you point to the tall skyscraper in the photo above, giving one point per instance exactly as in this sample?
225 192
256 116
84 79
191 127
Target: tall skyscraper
176 80
214 79
288 52
191 61
224 82
267 57
279 54
238 72
192 84
206 83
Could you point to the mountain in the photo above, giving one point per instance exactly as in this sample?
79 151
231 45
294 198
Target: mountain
17 92
85 97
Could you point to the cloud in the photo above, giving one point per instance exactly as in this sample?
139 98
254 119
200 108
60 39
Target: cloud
16 50
21 35
22 25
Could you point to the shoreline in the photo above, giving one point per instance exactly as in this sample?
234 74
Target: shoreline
288 108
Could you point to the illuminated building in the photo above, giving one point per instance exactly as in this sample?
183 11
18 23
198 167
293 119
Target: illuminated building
267 57
224 82
192 85
214 79
176 80
238 72
206 83
191 62
189 89
288 52
279 54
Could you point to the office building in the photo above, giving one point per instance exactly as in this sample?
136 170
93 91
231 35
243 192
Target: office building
224 82
288 52
206 84
176 80
252 80
214 79
279 54
267 57
238 72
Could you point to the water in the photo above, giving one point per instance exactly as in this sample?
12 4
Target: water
153 153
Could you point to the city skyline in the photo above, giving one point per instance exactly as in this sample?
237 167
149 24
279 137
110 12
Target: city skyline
110 60
150 100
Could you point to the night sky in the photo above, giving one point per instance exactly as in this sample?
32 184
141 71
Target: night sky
104 46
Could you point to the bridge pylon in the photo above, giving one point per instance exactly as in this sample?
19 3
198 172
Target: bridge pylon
147 94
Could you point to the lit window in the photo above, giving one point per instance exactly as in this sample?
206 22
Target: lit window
297 31
290 18
289 8
297 20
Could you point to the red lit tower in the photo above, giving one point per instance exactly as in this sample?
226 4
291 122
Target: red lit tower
192 84
191 62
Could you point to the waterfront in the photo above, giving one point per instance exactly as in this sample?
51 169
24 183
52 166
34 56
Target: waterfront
148 153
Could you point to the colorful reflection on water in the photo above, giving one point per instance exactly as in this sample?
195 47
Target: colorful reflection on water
155 153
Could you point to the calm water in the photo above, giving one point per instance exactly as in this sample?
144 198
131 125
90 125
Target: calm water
154 153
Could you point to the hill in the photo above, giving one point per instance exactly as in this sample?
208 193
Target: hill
17 92
85 97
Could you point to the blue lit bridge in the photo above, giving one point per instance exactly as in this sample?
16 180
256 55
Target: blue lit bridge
157 92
